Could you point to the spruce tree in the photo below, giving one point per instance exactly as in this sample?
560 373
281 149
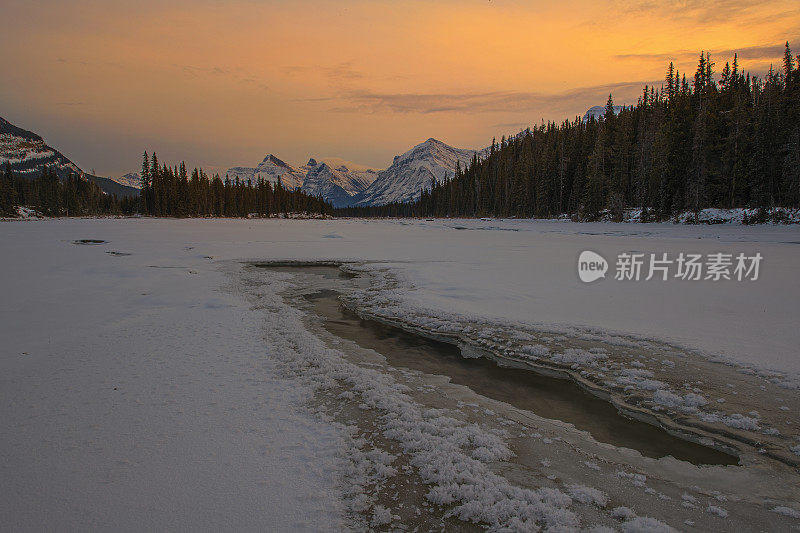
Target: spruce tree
144 182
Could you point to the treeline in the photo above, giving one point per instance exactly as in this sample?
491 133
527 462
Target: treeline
731 141
50 196
173 192
166 192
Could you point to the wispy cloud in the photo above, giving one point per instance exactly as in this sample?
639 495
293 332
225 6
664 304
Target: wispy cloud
498 101
335 73
194 71
512 125
696 10
749 52
237 74
71 61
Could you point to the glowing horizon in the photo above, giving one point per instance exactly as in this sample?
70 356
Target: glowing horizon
223 84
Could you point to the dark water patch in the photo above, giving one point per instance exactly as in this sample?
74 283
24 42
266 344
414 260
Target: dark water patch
545 396
327 270
483 228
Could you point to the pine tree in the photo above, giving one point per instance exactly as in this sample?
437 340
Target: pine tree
144 182
788 62
7 193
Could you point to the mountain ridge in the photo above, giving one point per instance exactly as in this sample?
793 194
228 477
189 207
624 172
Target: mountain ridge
28 154
414 171
345 183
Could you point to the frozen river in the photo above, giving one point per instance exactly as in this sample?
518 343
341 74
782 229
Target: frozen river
154 379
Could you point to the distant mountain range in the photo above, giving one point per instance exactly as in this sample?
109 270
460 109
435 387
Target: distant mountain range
28 154
336 180
347 184
341 182
344 183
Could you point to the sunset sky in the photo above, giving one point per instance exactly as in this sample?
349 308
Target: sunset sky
220 84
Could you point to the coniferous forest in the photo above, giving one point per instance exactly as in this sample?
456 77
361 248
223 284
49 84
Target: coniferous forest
172 192
166 191
51 196
726 140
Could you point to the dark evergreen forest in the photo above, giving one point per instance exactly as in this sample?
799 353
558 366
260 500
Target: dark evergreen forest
172 192
166 191
731 140
51 196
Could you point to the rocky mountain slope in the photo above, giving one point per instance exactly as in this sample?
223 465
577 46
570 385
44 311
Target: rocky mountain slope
414 171
28 154
344 183
271 169
335 179
131 179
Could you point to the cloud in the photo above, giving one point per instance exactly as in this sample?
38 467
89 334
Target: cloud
496 101
698 10
749 52
236 74
71 61
336 73
520 125
194 72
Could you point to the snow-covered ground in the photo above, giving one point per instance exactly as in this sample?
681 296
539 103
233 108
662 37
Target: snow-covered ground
137 393
156 381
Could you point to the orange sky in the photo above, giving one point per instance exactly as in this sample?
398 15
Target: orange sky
223 83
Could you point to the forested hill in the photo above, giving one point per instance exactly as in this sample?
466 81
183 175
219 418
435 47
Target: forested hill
727 140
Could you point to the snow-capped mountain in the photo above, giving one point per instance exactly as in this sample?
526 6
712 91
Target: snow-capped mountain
337 180
28 155
131 179
334 179
344 183
599 111
271 169
414 171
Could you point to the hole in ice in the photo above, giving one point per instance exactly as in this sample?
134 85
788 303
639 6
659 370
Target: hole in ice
546 396
326 270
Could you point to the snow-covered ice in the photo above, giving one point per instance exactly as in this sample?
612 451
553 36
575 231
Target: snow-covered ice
175 388
137 394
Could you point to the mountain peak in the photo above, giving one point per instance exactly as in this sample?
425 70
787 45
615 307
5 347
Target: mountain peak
434 142
416 170
10 129
27 154
270 159
346 183
597 112
131 179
